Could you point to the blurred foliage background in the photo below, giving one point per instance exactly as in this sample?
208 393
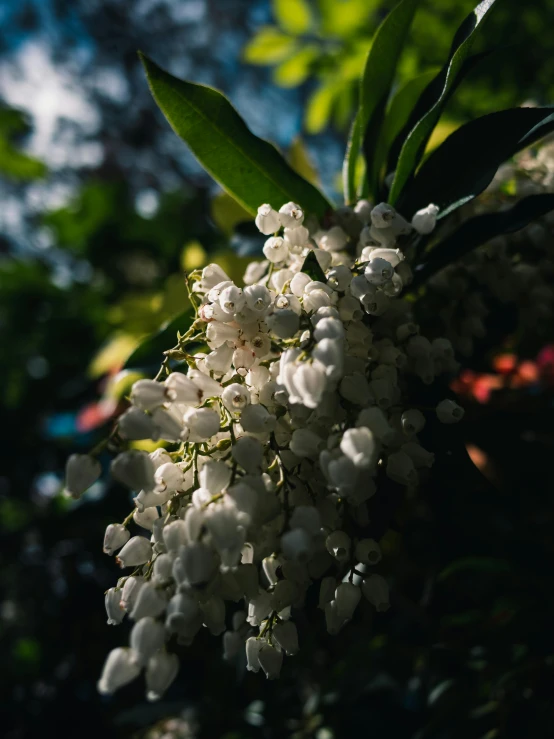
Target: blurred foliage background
102 210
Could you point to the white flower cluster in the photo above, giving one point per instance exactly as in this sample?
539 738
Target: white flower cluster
515 269
276 439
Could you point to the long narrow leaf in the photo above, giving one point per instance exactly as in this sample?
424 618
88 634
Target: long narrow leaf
375 85
414 145
350 162
478 231
249 168
466 162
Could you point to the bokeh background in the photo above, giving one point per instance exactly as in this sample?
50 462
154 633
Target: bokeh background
101 209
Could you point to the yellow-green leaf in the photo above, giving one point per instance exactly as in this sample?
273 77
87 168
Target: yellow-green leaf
269 46
294 16
296 69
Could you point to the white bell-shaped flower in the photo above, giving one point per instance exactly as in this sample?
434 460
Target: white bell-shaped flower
291 215
248 453
368 551
135 424
202 423
425 220
115 537
347 597
267 220
375 588
161 671
151 601
338 545
448 411
400 468
135 469
235 397
81 471
271 661
120 668
147 637
253 647
358 444
136 551
256 419
148 394
276 249
112 602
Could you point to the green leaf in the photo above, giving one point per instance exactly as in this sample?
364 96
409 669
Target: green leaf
398 113
479 230
269 46
414 145
466 162
319 106
249 168
312 269
350 165
294 16
299 160
377 78
296 69
426 100
150 351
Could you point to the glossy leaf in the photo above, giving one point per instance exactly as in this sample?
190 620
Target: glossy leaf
466 162
398 113
375 85
151 351
416 141
249 168
479 230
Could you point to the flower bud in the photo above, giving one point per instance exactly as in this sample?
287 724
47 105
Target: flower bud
119 669
136 551
298 283
270 660
267 220
135 469
449 412
161 671
148 394
175 535
338 545
424 220
162 570
368 551
376 590
334 239
81 471
147 637
115 537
